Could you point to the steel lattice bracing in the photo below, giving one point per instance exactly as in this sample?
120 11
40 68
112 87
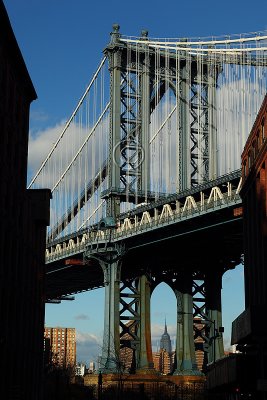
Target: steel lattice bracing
143 78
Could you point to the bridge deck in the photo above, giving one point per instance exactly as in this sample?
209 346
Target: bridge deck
197 235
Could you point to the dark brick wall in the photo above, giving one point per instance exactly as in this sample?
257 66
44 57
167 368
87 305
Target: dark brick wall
24 215
253 193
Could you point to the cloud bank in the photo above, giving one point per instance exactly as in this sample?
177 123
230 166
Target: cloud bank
88 347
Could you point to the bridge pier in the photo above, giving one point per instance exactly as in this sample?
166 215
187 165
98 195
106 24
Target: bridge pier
144 350
213 284
185 347
127 325
110 358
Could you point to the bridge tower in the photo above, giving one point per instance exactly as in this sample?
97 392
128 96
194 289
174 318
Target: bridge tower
139 80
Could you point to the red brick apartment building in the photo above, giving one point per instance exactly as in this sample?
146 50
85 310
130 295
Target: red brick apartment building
61 344
24 215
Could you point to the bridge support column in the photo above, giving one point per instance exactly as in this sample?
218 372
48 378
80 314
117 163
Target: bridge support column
113 51
111 339
212 125
144 352
184 132
185 347
145 113
214 313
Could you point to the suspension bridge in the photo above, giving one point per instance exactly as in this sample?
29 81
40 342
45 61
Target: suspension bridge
145 180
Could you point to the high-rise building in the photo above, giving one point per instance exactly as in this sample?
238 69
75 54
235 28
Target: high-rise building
91 368
165 341
164 358
62 345
163 361
80 369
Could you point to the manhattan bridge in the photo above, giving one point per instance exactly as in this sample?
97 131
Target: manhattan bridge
145 180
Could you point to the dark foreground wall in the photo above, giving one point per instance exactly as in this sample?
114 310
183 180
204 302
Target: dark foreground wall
24 215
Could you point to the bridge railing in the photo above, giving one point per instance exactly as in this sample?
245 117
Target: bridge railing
155 218
168 215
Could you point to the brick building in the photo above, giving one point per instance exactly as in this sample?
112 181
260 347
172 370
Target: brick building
164 358
24 215
249 331
163 361
61 343
254 197
198 327
245 373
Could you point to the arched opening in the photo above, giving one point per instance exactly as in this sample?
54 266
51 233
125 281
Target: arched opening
233 301
163 310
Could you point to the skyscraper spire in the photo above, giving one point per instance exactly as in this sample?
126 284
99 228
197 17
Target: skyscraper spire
165 341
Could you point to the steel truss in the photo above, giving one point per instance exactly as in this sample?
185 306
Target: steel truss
139 79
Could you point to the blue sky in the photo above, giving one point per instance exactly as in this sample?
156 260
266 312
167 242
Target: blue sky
62 42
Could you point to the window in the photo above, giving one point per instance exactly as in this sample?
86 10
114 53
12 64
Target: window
262 130
245 168
249 160
258 141
253 150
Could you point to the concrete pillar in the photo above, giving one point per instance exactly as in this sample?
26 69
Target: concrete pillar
111 339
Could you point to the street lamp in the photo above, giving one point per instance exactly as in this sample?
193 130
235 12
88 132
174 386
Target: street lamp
216 334
216 331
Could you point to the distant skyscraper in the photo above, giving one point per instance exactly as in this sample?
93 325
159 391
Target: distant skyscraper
80 369
92 367
165 341
164 358
62 342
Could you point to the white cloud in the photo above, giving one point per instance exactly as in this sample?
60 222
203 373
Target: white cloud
78 156
40 144
88 347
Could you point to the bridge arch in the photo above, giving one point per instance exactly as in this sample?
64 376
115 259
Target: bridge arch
163 309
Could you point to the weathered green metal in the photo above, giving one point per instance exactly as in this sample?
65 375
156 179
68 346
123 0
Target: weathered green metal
185 347
111 336
144 351
214 313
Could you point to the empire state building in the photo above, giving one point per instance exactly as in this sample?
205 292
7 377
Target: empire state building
165 341
164 358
